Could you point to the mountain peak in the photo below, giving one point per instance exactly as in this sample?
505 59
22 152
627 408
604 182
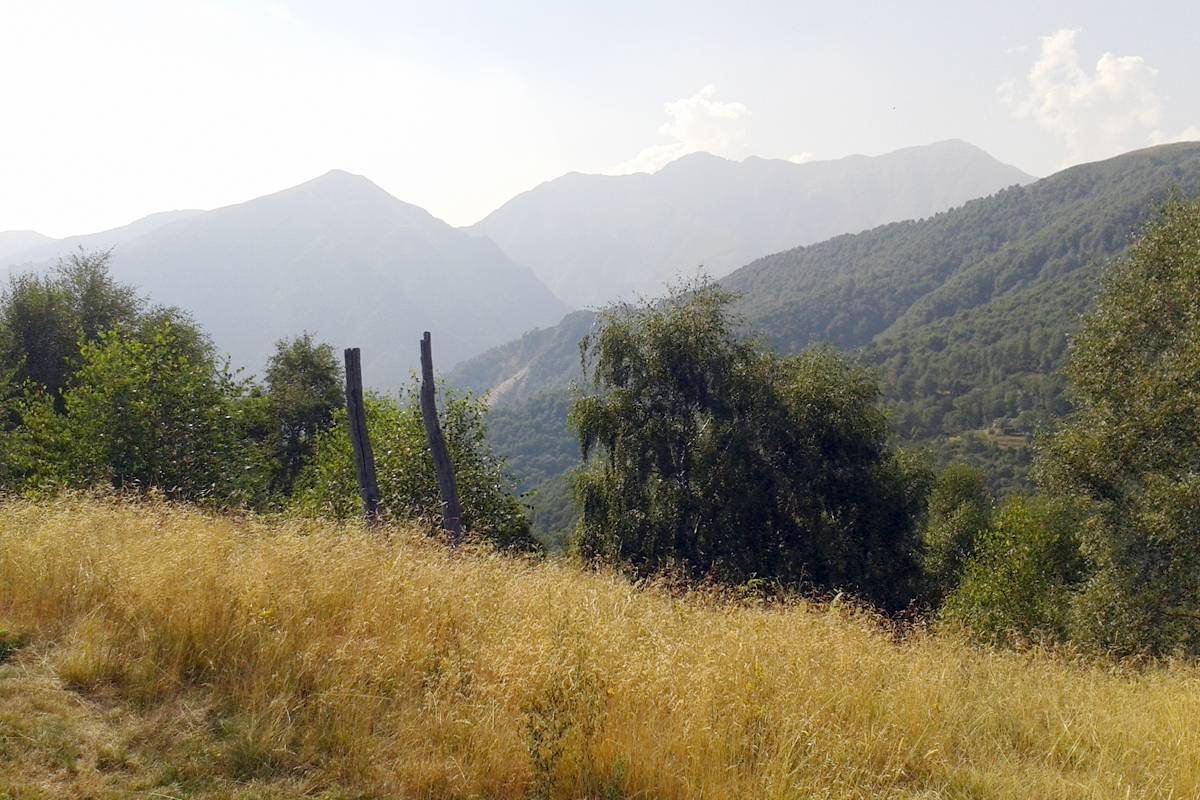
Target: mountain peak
339 180
699 160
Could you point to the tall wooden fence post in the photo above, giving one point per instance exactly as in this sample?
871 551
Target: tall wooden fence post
364 459
451 513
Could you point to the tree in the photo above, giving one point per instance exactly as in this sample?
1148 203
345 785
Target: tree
959 510
1018 585
404 468
148 414
40 332
1130 452
98 303
304 391
709 455
44 320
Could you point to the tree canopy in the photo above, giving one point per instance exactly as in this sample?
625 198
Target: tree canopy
710 455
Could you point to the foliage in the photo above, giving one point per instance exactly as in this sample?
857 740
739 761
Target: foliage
718 459
554 513
539 449
1018 585
304 391
148 413
407 481
1131 450
44 320
534 437
965 315
958 511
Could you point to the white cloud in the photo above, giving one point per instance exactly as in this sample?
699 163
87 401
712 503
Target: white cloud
802 158
1095 114
697 123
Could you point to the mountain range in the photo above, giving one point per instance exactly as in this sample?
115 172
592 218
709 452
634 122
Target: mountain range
36 249
342 258
966 316
597 238
337 256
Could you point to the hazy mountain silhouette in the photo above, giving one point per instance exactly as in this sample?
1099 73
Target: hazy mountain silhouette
596 238
15 242
44 249
977 302
342 258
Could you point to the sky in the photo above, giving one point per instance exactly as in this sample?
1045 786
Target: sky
113 110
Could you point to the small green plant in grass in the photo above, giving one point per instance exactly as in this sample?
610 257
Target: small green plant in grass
10 643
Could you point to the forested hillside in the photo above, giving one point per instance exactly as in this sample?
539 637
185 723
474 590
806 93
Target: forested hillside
966 315
542 359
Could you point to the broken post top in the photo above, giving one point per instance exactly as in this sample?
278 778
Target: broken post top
426 359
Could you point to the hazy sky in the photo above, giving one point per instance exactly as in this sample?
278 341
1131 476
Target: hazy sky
111 110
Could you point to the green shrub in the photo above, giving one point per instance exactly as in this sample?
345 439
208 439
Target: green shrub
1018 585
407 481
149 412
959 510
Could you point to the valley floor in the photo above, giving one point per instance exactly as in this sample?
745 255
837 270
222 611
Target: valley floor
160 652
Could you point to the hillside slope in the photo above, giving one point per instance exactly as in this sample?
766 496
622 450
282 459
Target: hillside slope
299 659
342 258
15 242
45 250
968 313
960 289
597 238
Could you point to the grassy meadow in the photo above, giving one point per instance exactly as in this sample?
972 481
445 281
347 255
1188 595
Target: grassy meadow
155 651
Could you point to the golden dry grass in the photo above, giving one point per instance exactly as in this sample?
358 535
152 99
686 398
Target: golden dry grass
325 659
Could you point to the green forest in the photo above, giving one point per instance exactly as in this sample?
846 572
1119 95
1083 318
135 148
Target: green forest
965 318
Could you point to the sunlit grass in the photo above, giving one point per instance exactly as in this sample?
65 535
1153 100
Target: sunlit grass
391 667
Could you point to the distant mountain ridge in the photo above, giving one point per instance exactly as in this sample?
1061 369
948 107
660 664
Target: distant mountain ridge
966 314
597 238
14 242
342 258
44 249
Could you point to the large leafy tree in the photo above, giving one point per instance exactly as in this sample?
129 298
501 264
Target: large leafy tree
304 391
144 412
1131 450
46 319
708 454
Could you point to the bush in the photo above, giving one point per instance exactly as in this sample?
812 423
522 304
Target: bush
1018 585
1130 453
407 481
148 413
959 510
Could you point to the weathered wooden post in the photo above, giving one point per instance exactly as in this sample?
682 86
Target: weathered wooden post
451 513
364 459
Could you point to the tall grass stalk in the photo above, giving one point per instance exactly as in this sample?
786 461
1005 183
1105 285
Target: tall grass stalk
396 668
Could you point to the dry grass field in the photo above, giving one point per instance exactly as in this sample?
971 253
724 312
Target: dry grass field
160 652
